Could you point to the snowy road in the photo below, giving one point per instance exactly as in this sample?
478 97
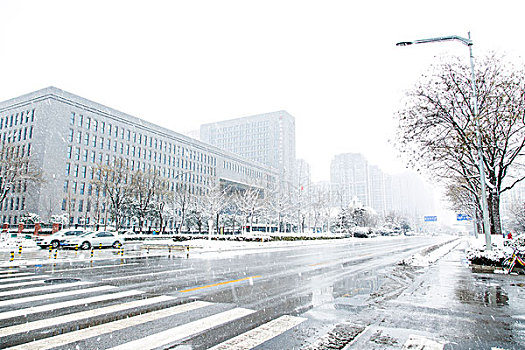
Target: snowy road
284 297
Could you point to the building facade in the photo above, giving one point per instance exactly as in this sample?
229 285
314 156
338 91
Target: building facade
67 137
264 138
350 173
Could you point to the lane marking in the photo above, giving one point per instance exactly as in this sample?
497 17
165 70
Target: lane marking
55 321
184 331
92 268
21 278
218 284
39 289
65 304
75 336
54 295
261 334
19 284
144 275
15 273
300 255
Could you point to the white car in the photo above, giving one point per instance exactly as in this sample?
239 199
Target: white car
56 239
94 240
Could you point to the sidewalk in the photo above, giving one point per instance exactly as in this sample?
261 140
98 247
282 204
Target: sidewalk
449 307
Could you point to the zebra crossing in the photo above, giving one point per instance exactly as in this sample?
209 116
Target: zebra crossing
94 314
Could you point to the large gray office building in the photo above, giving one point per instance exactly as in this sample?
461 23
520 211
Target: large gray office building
68 136
265 138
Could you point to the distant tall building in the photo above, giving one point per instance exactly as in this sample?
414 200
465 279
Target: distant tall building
410 196
304 176
264 138
355 180
378 192
350 172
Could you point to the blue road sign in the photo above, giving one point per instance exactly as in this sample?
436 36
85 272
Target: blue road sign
463 217
431 218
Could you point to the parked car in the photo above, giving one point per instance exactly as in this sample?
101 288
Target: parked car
94 239
56 239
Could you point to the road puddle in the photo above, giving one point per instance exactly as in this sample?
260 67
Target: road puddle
486 295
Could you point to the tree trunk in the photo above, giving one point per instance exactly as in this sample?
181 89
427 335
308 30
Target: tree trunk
494 213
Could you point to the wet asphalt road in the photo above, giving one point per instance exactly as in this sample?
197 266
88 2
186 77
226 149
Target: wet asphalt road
320 293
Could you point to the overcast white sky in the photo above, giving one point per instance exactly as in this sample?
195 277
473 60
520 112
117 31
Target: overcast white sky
333 65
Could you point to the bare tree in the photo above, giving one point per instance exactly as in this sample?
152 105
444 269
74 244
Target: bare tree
437 129
146 186
212 204
249 202
16 170
115 181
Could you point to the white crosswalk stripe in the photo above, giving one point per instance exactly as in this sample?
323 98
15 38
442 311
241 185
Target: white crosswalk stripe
93 267
67 338
260 334
184 331
14 273
55 321
65 304
54 295
88 316
11 279
21 291
127 277
20 284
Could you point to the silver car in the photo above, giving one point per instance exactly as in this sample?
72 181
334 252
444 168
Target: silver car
56 239
94 240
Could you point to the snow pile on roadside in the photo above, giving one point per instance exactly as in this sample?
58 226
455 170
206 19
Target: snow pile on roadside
430 255
478 255
14 243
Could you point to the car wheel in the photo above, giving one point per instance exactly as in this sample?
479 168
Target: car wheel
116 244
85 245
55 244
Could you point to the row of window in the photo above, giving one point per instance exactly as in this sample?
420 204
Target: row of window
21 134
88 172
131 136
17 118
232 166
13 203
133 151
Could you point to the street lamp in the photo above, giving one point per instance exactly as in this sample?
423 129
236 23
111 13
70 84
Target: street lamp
468 42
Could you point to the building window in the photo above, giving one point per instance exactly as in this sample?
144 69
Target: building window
95 125
86 139
68 169
66 186
94 141
79 137
93 156
80 205
84 170
79 120
69 150
72 120
82 188
77 153
85 155
31 132
70 137
64 203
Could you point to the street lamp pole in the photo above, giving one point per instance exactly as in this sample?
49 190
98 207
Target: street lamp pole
469 43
